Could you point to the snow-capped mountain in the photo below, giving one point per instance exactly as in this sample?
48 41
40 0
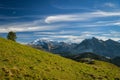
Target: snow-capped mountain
108 48
53 46
43 42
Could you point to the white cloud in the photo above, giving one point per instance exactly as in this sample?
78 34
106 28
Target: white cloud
114 35
22 29
79 37
80 17
117 23
94 24
109 4
59 18
57 32
27 26
65 36
39 25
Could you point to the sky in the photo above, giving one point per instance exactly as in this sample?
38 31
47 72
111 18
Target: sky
62 20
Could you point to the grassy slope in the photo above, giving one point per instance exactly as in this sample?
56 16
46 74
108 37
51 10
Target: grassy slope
18 62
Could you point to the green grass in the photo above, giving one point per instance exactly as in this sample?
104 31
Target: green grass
19 62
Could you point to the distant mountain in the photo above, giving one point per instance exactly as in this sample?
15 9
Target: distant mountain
62 48
108 48
45 44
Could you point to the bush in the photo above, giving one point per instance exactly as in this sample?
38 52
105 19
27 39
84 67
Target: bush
11 36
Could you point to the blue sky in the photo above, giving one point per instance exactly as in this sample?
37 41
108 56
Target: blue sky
64 20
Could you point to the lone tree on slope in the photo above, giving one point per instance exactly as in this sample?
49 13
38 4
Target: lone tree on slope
11 36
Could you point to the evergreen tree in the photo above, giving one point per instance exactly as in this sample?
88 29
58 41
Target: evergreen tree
11 36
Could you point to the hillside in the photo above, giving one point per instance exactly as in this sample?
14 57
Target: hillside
19 62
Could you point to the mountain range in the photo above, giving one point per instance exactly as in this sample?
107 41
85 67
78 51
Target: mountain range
108 48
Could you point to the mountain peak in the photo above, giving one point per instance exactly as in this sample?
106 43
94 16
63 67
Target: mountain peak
42 41
111 41
94 38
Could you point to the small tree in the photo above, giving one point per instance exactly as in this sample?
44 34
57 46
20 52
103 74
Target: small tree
11 36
